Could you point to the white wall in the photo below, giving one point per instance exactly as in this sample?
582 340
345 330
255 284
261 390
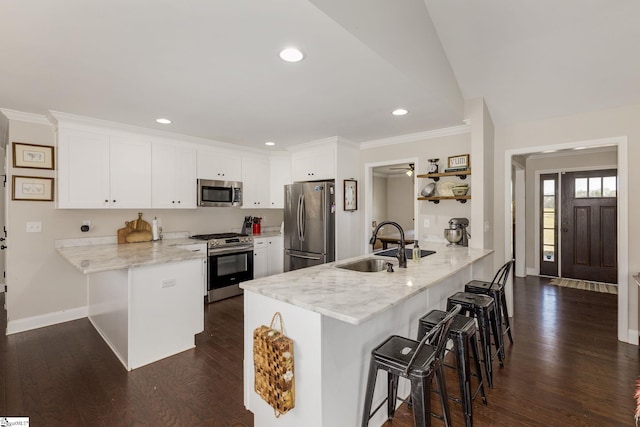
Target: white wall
615 122
39 280
380 204
400 201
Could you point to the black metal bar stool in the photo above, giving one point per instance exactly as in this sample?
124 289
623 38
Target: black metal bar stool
482 307
495 289
417 361
463 334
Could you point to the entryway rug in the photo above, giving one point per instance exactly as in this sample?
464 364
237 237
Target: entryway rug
586 285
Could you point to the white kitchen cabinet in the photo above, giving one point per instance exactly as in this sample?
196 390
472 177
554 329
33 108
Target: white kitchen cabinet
129 173
268 256
96 170
202 248
313 164
260 258
275 253
219 165
173 171
280 175
255 182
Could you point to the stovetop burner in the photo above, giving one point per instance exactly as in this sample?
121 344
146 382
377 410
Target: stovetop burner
216 236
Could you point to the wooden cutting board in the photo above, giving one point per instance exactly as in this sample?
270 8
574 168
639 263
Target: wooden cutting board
137 230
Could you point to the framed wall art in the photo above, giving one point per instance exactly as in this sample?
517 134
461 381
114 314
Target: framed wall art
32 156
458 162
32 188
350 195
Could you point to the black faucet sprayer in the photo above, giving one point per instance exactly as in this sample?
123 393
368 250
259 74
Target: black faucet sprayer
402 256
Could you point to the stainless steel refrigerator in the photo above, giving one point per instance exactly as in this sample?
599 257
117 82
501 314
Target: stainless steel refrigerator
309 224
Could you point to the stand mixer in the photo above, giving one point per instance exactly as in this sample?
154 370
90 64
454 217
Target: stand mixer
457 232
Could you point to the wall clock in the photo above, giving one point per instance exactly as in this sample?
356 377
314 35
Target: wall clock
350 195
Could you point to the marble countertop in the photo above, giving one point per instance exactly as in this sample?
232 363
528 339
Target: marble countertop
96 258
355 297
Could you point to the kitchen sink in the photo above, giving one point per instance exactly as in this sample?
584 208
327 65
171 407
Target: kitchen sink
394 252
368 265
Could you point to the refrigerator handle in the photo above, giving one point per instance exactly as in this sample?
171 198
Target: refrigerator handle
315 258
298 219
303 218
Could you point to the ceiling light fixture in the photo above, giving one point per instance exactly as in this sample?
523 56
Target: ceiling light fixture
399 112
163 121
269 143
291 54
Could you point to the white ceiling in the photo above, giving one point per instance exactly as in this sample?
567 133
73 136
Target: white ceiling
212 66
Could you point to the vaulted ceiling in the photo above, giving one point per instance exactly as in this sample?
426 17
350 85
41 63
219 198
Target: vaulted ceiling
212 66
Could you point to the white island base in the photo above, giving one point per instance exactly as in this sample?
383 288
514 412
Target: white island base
331 355
148 313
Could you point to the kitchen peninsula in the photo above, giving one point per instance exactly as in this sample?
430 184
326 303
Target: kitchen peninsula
336 317
145 299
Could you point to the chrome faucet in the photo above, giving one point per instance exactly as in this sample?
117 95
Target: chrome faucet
402 256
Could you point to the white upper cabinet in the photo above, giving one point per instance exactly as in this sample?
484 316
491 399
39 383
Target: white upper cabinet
313 164
219 165
130 173
280 175
83 170
255 182
173 171
96 170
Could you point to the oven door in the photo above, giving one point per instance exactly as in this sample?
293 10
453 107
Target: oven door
227 269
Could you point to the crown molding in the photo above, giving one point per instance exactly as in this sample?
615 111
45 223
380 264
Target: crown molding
26 117
323 142
72 121
420 136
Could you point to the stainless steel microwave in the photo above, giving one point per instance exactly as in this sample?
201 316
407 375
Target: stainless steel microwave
219 193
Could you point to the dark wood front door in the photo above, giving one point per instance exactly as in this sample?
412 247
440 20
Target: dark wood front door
589 225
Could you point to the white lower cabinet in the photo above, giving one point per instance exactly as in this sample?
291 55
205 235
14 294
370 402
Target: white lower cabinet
268 256
202 248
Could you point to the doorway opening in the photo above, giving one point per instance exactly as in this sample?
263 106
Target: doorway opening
390 194
619 144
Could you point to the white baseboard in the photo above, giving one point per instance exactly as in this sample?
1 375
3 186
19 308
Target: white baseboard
28 323
531 272
633 337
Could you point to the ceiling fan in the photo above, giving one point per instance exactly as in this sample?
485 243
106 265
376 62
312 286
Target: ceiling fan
408 170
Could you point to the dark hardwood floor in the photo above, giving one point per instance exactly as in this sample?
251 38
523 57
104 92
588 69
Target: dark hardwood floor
566 368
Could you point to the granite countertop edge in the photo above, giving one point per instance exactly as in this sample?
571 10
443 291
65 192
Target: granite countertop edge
107 257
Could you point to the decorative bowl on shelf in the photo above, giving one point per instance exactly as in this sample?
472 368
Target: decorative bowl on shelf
428 190
460 191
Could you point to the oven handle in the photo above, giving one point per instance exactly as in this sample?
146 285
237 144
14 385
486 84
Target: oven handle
232 250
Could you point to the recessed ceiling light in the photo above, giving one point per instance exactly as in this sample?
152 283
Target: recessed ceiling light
399 112
269 143
291 54
163 121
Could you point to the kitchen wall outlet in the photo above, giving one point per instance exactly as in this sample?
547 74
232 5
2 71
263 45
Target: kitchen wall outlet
87 222
427 224
168 283
34 227
487 227
373 224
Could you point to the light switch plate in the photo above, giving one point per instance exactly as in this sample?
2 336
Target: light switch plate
34 227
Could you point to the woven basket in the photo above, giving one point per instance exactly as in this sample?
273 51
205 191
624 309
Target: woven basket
273 363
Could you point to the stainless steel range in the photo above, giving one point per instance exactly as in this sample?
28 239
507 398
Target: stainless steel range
230 262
